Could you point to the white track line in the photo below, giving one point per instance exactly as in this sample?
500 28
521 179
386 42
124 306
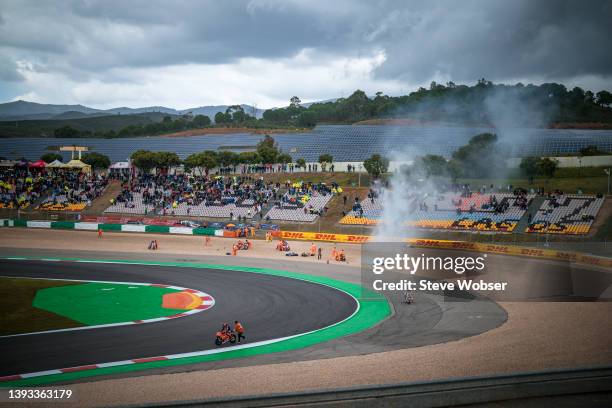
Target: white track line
181 355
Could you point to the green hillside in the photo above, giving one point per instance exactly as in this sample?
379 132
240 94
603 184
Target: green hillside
89 126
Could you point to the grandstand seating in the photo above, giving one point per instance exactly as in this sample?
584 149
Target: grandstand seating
245 208
62 203
441 212
566 214
67 197
300 211
12 206
63 190
190 195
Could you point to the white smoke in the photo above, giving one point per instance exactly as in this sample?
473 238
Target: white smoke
403 192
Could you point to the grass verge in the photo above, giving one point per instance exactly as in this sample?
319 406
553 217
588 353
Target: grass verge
17 313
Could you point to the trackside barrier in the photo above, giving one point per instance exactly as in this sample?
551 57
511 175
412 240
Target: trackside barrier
92 226
38 224
133 228
157 228
321 236
586 386
569 256
203 231
62 225
180 230
466 246
109 227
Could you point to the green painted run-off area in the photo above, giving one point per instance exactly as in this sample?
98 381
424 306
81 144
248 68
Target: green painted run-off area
104 303
373 309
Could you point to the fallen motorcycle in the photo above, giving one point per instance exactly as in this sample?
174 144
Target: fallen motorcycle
223 338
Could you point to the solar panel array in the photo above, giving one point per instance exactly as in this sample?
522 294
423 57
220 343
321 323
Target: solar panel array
346 143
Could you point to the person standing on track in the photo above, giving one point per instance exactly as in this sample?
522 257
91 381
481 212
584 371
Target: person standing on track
99 233
239 329
319 254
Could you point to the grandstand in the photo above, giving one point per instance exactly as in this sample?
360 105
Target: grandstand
62 203
566 214
74 194
475 211
222 197
190 195
22 186
303 202
299 210
215 209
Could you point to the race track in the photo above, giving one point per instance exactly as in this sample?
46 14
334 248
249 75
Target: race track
269 306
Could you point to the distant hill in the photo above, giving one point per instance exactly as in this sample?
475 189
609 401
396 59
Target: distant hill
31 110
23 110
89 123
131 111
76 115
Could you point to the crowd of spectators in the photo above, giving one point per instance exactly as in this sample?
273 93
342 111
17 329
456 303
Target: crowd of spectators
71 190
21 187
165 192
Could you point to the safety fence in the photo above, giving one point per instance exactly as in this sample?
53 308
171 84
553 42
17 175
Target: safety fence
92 226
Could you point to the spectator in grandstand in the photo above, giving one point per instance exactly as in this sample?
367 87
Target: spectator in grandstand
21 186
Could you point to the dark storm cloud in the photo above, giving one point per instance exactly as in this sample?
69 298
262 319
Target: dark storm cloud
457 40
499 40
106 34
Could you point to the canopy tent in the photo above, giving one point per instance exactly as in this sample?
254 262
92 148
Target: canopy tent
77 164
55 164
38 164
120 165
8 163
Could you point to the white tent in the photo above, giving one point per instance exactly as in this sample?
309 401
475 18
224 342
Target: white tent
55 164
120 165
8 163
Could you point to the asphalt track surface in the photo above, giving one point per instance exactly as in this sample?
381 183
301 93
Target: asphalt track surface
269 306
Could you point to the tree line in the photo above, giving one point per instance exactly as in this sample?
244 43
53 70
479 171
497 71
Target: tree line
482 157
450 102
166 125
455 103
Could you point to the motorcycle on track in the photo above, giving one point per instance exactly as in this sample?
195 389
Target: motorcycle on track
225 337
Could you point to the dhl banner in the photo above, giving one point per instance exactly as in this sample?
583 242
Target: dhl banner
322 236
461 245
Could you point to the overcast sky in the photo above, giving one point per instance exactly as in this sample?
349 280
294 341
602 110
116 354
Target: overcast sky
184 54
